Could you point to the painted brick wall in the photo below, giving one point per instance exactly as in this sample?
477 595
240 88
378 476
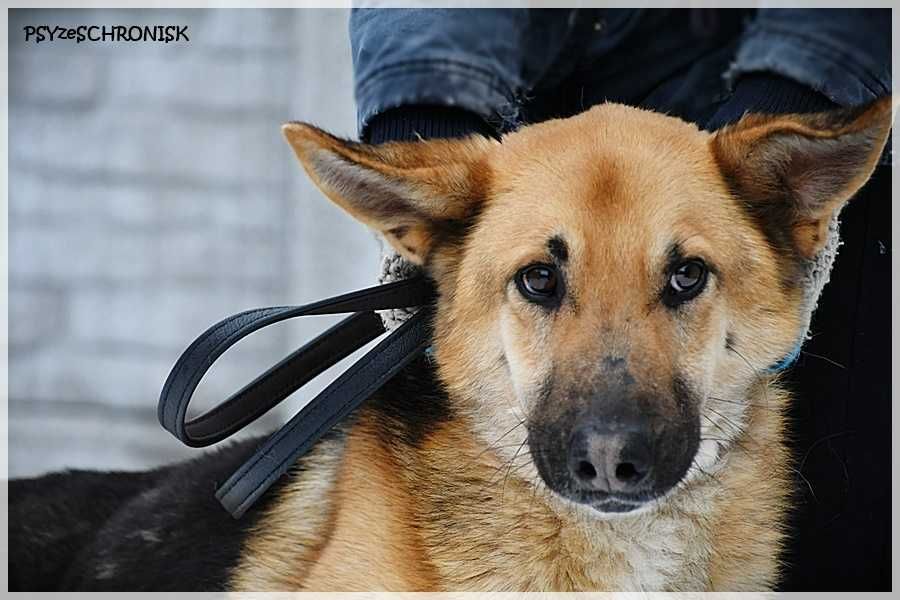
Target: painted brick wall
150 194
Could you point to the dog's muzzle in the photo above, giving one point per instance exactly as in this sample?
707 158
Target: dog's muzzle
614 455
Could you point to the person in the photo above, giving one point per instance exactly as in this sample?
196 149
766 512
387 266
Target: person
453 72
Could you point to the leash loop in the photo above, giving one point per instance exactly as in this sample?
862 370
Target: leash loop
323 412
290 374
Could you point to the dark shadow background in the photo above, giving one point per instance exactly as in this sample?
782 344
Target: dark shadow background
841 416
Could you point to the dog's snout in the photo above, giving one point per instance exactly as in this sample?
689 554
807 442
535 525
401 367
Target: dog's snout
618 449
611 459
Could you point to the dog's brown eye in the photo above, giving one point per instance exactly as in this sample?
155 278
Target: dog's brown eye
538 283
686 281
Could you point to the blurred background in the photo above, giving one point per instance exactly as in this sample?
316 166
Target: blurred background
150 195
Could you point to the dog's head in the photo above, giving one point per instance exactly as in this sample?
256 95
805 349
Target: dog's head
611 284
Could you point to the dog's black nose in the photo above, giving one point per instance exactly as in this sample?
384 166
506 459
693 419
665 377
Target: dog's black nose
611 459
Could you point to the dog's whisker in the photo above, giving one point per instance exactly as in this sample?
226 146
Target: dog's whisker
756 371
492 446
737 428
825 358
739 402
535 482
511 463
736 441
808 483
505 467
704 472
513 445
820 441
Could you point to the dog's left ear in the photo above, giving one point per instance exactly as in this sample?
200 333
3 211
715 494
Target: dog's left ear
414 193
795 171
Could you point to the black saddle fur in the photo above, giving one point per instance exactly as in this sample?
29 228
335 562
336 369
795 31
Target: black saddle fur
160 530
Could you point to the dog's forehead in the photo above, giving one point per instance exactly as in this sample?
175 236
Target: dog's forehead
607 178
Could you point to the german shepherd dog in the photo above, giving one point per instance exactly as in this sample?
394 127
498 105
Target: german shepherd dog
598 412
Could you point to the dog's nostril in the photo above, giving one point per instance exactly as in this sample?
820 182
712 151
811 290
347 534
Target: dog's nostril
609 461
628 473
586 470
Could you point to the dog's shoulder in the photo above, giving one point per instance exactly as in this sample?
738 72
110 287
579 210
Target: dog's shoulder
305 514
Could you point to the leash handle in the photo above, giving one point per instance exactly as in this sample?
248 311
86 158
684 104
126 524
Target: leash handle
266 391
252 401
323 412
284 378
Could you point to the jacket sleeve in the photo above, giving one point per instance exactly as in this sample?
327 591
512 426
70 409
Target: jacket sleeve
479 60
844 54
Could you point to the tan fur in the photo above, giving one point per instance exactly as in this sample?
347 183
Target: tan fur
305 517
373 499
464 508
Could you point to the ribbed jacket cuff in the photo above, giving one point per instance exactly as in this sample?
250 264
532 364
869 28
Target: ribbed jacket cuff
409 123
768 93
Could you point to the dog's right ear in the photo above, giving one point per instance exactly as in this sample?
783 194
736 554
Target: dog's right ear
411 192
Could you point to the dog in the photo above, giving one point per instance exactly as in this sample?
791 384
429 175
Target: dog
598 411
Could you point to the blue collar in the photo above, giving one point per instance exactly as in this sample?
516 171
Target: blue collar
788 360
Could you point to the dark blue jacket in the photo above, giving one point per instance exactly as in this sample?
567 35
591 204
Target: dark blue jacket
515 65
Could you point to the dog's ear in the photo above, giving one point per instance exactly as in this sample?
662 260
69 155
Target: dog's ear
794 171
414 193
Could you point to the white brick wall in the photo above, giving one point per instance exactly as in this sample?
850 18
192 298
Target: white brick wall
150 194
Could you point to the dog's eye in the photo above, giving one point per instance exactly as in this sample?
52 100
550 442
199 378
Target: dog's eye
686 280
538 283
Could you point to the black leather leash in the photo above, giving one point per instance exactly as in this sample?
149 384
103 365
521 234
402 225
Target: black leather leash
324 411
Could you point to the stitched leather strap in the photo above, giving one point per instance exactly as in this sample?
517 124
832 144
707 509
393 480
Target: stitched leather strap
323 412
290 374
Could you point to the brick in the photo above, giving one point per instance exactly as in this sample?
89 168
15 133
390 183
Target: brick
266 30
88 440
36 317
92 436
46 200
162 317
325 82
73 255
202 82
66 372
69 80
335 253
49 199
138 143
213 255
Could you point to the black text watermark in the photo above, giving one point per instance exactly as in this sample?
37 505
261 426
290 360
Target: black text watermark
107 33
